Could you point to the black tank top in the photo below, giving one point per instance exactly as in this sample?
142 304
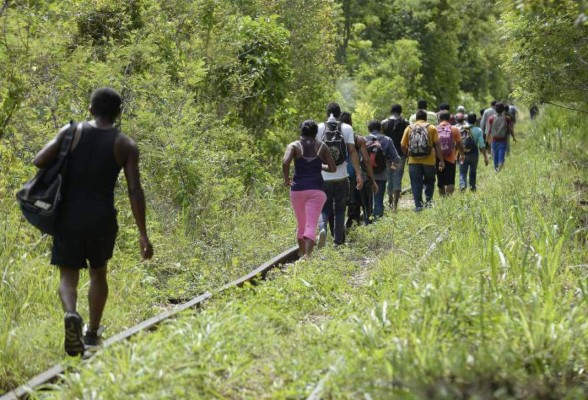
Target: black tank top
88 195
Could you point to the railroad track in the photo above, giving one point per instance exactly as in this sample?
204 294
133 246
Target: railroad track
52 374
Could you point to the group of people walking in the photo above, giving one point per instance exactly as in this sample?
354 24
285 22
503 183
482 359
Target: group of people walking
337 170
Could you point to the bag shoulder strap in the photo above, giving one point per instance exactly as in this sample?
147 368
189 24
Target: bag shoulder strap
67 140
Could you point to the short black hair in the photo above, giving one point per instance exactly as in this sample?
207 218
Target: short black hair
422 104
308 128
444 115
106 103
499 108
396 109
333 108
472 118
421 115
493 103
374 126
444 106
346 118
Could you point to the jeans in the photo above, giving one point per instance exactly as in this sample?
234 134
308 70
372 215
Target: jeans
359 200
379 200
395 177
471 163
498 152
337 193
421 176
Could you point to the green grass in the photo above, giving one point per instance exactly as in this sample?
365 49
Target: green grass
497 310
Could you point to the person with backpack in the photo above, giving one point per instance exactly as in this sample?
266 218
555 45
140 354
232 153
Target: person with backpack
359 200
87 223
445 107
383 157
307 195
420 143
394 127
500 127
449 140
338 137
431 116
473 142
484 121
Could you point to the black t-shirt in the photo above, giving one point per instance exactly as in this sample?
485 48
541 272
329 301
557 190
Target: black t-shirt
394 129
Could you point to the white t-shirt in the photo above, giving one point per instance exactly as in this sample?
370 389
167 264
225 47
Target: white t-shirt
347 133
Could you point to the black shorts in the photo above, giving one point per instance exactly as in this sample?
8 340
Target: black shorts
76 251
447 176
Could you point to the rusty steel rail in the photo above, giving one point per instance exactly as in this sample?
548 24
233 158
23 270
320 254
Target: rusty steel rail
52 374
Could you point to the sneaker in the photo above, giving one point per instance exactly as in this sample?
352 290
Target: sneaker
322 238
93 338
73 344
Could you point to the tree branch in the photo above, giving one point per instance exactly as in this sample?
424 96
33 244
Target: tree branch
4 7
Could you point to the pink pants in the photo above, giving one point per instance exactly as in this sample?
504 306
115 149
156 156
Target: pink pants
307 205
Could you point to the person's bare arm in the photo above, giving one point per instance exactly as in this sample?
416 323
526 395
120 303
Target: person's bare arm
460 148
286 161
439 155
355 163
127 154
327 159
49 153
368 166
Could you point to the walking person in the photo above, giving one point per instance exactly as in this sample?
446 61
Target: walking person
484 121
360 201
449 140
431 116
307 195
87 223
394 127
500 127
383 158
473 143
338 137
421 143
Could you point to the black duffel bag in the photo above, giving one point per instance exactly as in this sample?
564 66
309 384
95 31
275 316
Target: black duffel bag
39 198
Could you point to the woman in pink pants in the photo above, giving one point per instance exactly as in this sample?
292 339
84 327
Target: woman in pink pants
307 196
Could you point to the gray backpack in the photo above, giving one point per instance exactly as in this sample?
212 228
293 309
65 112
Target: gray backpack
499 128
418 141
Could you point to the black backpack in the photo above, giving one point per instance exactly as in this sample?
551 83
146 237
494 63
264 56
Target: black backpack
335 142
394 128
376 153
39 198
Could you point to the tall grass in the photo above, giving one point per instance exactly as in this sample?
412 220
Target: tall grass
496 310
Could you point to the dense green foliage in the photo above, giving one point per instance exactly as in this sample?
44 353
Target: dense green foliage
547 52
213 90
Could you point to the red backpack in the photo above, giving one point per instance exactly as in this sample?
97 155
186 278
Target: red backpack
446 139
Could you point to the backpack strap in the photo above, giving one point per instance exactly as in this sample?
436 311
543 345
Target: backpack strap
67 140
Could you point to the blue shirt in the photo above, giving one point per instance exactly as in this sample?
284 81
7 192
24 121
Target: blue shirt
389 151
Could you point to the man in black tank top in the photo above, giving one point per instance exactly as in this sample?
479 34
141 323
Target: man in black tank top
87 223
